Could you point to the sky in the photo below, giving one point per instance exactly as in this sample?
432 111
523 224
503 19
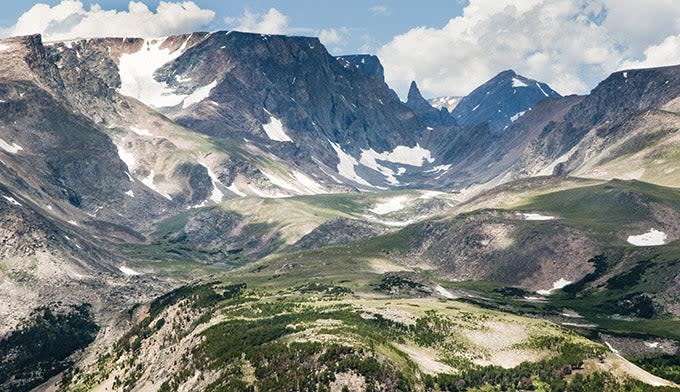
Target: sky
448 46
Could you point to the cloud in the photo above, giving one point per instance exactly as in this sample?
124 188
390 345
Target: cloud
333 36
273 22
69 19
571 44
380 10
665 53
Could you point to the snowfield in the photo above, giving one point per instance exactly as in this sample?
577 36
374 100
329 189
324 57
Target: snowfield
10 148
274 130
346 165
141 131
537 217
518 83
216 195
137 74
651 238
391 205
128 271
556 286
413 156
12 201
199 95
137 77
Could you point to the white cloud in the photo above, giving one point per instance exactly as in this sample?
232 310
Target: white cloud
273 22
329 36
380 10
571 44
334 36
665 53
69 19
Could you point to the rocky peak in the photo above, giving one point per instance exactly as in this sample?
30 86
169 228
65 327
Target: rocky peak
427 113
501 101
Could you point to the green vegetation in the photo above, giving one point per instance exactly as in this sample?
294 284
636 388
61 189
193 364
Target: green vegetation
665 365
43 345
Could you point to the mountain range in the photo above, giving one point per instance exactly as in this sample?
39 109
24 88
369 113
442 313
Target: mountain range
201 211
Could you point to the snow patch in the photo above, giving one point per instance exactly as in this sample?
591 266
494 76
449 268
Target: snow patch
518 83
216 194
12 201
3 47
130 193
274 129
652 344
651 238
517 116
414 156
476 107
199 94
440 168
141 132
444 292
309 183
10 148
392 205
127 157
537 217
625 75
556 286
346 165
615 351
548 170
128 271
233 188
541 88
137 74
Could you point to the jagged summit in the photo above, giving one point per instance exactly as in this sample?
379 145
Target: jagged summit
427 113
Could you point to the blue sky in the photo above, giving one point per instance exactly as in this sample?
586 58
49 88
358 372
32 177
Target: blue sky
366 22
448 46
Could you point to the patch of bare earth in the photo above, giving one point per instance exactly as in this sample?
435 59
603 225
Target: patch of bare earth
426 359
352 381
497 343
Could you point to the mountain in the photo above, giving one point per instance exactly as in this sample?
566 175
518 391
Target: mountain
448 102
501 101
628 121
283 95
234 211
425 112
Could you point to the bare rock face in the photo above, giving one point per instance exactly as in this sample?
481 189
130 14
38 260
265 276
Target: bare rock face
426 112
366 63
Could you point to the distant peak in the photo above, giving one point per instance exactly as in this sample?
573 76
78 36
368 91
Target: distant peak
508 73
414 92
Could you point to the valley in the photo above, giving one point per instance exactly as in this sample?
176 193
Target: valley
233 211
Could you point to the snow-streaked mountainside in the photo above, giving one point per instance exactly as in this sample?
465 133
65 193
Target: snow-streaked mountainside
501 101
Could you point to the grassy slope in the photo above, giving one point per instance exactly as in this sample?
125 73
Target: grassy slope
322 293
